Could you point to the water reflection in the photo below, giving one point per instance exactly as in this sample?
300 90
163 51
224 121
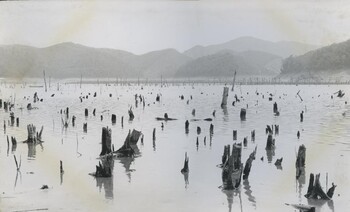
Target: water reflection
186 174
319 203
126 161
249 192
31 150
270 153
230 195
224 110
107 183
300 176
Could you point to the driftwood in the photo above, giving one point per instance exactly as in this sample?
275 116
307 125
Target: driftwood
315 190
248 164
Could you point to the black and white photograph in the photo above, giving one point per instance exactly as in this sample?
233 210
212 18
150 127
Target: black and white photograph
175 105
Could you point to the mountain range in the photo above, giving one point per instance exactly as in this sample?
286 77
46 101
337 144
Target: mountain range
326 61
247 55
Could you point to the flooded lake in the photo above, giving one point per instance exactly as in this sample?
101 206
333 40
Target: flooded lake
152 181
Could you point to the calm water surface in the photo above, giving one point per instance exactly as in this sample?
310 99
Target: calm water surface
152 181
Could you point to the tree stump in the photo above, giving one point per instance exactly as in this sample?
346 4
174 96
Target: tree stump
187 124
234 135
185 169
224 97
114 119
106 141
232 169
315 190
243 114
131 114
300 162
86 112
248 164
199 130
85 127
252 134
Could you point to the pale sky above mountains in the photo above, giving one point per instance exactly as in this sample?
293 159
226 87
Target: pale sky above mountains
143 26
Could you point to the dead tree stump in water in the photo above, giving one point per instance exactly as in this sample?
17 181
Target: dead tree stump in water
243 114
315 190
275 107
277 129
199 130
131 114
248 164
73 121
302 116
106 141
245 141
127 150
232 169
114 118
85 127
234 135
224 97
185 169
211 129
17 122
187 124
33 136
86 112
252 134
300 162
154 134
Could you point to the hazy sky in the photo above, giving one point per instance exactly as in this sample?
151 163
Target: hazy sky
142 26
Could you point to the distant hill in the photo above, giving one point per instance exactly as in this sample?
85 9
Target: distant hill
282 48
329 60
63 60
249 56
224 63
